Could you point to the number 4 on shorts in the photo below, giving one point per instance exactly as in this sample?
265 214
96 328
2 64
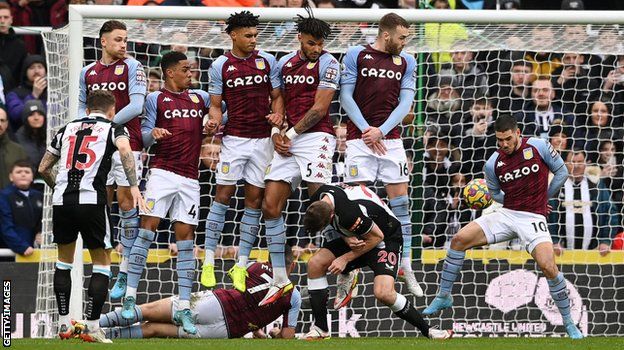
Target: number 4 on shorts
192 212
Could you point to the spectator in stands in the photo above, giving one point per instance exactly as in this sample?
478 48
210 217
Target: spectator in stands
33 87
154 79
439 171
540 114
572 5
467 78
327 4
35 13
440 37
613 87
608 40
574 87
612 173
576 34
2 96
443 107
511 98
10 152
558 138
32 134
598 128
21 209
12 49
544 63
583 216
477 141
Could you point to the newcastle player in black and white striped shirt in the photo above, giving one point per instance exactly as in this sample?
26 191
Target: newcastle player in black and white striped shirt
84 147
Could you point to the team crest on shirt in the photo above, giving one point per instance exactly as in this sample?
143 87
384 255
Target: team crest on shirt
527 153
194 98
119 69
260 63
311 65
353 170
397 60
150 203
225 167
268 170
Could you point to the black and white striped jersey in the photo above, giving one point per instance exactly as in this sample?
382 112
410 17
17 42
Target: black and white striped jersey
85 147
355 210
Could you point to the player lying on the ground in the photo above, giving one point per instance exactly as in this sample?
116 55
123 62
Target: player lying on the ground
517 177
222 313
371 237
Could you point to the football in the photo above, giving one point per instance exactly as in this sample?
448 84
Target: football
476 194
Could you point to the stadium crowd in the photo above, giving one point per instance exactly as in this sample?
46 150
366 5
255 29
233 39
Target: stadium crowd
574 100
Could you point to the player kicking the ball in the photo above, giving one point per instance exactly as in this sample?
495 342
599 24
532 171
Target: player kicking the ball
222 313
247 80
376 90
309 80
174 124
517 177
371 236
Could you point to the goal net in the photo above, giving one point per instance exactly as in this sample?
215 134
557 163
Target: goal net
564 83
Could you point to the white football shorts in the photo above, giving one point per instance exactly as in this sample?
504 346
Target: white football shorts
167 192
244 158
363 165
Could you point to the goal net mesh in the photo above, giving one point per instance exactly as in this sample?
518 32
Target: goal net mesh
467 76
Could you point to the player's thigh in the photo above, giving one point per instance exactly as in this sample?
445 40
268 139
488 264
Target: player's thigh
256 168
95 226
235 152
396 189
313 153
100 256
360 162
531 228
119 175
65 227
185 205
160 191
487 229
393 167
207 307
253 196
275 196
157 311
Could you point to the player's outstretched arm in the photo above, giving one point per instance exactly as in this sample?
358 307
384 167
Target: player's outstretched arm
130 111
46 168
322 100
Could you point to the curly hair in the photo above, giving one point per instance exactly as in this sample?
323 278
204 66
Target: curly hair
243 19
313 26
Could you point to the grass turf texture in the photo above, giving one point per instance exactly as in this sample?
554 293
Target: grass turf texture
335 343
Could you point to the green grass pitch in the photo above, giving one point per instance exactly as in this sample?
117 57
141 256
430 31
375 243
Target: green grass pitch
335 343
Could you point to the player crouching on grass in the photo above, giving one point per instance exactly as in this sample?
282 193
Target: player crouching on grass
221 313
371 236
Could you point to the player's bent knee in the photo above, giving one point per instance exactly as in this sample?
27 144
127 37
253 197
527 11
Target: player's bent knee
385 295
550 270
460 241
317 266
270 210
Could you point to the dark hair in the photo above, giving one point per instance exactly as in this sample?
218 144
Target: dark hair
317 216
111 25
319 29
37 135
482 101
22 163
5 6
100 100
522 63
505 122
171 58
243 19
390 21
575 151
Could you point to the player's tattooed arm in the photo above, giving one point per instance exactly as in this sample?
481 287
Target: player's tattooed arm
46 168
127 161
322 100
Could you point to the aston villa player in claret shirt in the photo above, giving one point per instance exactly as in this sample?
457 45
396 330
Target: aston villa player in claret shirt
377 89
125 78
173 124
517 177
247 80
310 78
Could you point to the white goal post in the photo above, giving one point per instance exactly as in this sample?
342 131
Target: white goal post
488 274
